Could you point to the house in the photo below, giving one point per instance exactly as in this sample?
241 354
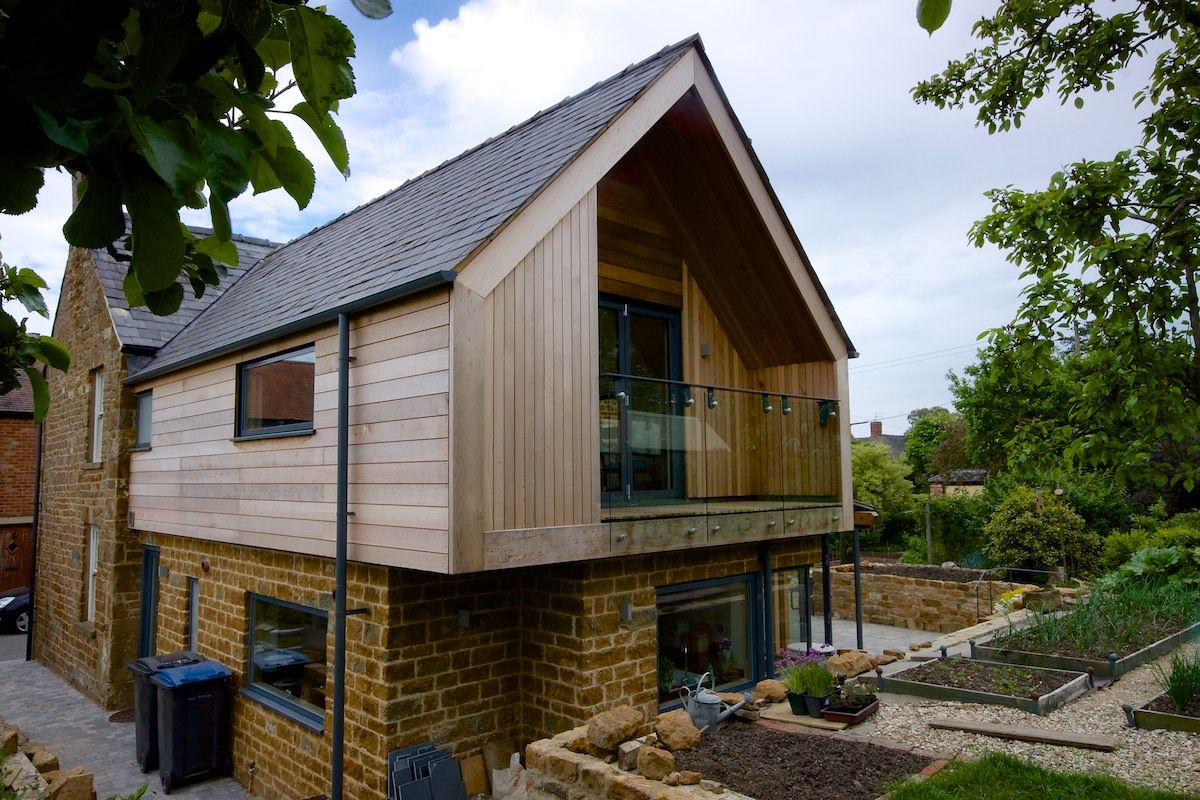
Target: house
895 442
18 475
573 397
958 481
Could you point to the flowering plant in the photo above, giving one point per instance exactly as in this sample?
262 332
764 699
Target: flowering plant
787 658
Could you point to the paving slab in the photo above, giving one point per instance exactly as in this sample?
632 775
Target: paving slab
49 711
1025 733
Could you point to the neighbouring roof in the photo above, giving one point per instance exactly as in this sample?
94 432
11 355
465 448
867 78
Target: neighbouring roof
415 235
139 328
18 402
961 477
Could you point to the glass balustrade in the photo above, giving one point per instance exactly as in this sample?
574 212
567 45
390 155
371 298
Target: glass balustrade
685 463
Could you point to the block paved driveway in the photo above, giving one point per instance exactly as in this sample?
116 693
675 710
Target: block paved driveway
76 730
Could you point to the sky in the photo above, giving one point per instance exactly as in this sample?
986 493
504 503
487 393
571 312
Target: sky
881 192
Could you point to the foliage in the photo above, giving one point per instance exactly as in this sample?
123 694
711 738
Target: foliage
1120 546
1109 243
1118 616
787 658
138 795
882 482
20 348
956 527
812 679
1039 531
160 106
998 776
1175 564
1182 684
927 429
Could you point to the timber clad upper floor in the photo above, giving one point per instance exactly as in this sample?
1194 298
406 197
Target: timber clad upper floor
639 358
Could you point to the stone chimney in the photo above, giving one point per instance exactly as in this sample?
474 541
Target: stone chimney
876 429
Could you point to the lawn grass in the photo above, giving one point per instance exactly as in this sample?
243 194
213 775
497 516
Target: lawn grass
1002 777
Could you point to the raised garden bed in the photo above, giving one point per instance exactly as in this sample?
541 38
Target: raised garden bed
1161 714
851 715
1113 666
1032 689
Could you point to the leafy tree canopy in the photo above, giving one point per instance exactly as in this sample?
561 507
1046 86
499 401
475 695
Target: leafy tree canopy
928 429
157 107
881 481
1113 243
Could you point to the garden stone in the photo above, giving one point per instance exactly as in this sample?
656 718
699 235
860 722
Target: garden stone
676 730
770 690
8 741
73 785
44 761
609 729
627 755
654 763
689 777
852 662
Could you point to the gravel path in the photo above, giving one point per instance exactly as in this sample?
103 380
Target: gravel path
1154 759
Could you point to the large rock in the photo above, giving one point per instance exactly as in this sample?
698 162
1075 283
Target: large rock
73 785
609 729
676 730
655 763
44 761
627 755
770 691
850 663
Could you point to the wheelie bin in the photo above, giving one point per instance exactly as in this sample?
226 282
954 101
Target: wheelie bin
145 703
194 704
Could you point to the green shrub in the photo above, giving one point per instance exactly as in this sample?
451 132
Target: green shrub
1172 533
1119 547
1040 533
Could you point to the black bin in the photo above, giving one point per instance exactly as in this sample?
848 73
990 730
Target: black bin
145 702
193 723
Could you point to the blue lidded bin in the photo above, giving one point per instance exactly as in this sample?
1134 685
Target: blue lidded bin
194 703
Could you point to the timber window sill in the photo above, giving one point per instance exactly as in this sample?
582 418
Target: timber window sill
142 448
252 437
293 711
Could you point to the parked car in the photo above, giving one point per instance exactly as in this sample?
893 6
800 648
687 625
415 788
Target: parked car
15 611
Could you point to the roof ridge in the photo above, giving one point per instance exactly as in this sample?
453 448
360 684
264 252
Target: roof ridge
663 53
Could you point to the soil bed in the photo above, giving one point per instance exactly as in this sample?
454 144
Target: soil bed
1163 704
925 571
773 765
1095 650
961 673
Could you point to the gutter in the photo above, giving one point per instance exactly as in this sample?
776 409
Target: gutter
440 278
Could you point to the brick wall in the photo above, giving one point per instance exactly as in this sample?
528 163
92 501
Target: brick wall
917 603
18 461
89 656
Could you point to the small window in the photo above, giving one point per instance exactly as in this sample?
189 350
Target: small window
706 627
193 613
287 659
95 449
91 570
276 393
145 408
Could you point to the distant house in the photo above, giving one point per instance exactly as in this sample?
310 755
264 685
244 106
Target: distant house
574 395
18 469
895 442
958 481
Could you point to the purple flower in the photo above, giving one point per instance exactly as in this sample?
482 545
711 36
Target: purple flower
787 658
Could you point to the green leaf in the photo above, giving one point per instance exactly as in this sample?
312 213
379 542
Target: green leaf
165 302
98 219
274 49
19 186
133 291
223 251
227 153
295 172
932 14
70 135
374 9
219 212
50 351
329 134
41 393
174 153
1079 102
253 19
321 50
157 237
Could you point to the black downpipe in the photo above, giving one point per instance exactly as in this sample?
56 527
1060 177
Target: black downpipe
33 541
826 589
858 590
339 581
768 648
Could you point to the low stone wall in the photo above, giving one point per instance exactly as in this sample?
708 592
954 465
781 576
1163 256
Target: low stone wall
918 603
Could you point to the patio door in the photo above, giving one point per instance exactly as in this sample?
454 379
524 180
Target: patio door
640 408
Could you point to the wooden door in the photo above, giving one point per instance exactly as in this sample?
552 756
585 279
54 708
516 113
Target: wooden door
16 556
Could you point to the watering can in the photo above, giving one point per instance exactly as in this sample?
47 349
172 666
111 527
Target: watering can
704 706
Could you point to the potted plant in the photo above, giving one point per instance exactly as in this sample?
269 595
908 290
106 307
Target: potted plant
856 703
787 662
810 687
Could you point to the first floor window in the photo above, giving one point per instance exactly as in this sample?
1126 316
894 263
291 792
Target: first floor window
710 627
287 658
96 443
91 570
275 394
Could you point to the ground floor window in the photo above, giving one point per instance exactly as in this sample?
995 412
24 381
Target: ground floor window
791 604
710 626
287 659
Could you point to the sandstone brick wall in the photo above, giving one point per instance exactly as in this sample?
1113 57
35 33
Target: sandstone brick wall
916 603
75 492
18 460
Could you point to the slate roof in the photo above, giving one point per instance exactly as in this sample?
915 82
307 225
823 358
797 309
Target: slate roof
18 402
961 477
140 328
415 235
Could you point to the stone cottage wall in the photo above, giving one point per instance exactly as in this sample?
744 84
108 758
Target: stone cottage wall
89 656
916 603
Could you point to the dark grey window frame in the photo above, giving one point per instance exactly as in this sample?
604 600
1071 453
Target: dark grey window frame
243 431
143 422
277 701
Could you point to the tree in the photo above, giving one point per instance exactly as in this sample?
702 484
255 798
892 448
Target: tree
1036 530
926 431
157 106
1112 243
881 481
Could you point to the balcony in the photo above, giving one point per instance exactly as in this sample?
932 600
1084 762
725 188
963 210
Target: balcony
685 465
